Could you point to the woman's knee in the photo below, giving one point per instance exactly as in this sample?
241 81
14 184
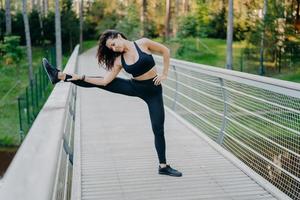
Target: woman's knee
158 129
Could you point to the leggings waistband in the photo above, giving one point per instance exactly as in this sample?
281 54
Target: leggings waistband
144 81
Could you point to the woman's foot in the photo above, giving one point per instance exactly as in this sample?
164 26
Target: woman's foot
168 170
51 71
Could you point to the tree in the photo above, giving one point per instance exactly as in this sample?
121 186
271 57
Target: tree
81 24
261 60
129 22
167 18
143 17
70 33
45 5
186 7
28 40
36 36
58 36
297 21
175 25
7 17
32 4
229 35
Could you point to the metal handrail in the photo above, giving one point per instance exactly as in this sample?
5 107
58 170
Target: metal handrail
41 167
255 118
272 84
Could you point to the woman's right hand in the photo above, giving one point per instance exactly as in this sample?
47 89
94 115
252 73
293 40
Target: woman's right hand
75 77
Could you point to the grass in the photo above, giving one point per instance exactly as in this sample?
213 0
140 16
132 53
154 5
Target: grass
12 85
293 76
205 51
212 52
88 44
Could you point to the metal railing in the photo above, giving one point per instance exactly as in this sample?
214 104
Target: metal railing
255 118
32 100
42 167
35 95
18 112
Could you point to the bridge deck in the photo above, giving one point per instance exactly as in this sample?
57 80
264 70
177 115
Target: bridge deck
118 158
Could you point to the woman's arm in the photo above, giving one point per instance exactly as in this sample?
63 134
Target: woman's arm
157 47
100 81
107 78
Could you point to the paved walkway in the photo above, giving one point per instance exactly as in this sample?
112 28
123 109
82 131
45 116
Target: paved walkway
119 161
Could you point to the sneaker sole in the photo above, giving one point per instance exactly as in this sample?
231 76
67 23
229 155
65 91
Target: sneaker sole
45 68
163 173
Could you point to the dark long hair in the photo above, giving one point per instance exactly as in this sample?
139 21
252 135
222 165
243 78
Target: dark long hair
105 55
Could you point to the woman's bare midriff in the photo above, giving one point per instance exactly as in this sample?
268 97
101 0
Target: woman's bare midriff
148 75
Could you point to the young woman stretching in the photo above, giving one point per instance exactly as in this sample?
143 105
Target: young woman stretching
116 52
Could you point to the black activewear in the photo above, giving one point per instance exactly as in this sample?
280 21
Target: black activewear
147 91
51 71
168 170
144 63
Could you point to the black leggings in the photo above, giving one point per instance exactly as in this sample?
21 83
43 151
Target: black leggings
150 93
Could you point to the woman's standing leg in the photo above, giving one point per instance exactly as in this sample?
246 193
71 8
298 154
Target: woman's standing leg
157 117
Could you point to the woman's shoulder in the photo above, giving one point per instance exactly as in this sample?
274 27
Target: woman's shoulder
142 41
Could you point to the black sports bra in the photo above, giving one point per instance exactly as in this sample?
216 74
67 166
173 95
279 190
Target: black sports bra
144 63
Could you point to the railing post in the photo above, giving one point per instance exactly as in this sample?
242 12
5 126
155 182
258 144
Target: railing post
36 94
21 131
27 107
223 125
176 89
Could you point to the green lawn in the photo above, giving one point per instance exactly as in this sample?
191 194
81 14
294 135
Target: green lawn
293 76
89 44
12 85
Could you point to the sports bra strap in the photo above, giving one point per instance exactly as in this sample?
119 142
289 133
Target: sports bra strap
138 48
123 60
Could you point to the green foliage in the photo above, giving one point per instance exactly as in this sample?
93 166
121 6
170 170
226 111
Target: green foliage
10 50
49 28
18 27
9 91
70 27
35 28
89 30
204 50
218 25
2 23
204 19
130 24
281 41
69 24
151 29
87 44
7 140
188 27
108 22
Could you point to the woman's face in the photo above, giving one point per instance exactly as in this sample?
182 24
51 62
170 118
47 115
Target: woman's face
115 44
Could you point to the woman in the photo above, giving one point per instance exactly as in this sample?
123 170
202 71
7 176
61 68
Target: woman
116 52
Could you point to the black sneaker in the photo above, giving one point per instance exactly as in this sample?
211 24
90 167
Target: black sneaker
52 72
169 171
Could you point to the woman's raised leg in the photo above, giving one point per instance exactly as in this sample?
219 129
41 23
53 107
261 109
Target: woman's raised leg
118 85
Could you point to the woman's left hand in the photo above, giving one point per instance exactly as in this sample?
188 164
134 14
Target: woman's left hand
157 80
